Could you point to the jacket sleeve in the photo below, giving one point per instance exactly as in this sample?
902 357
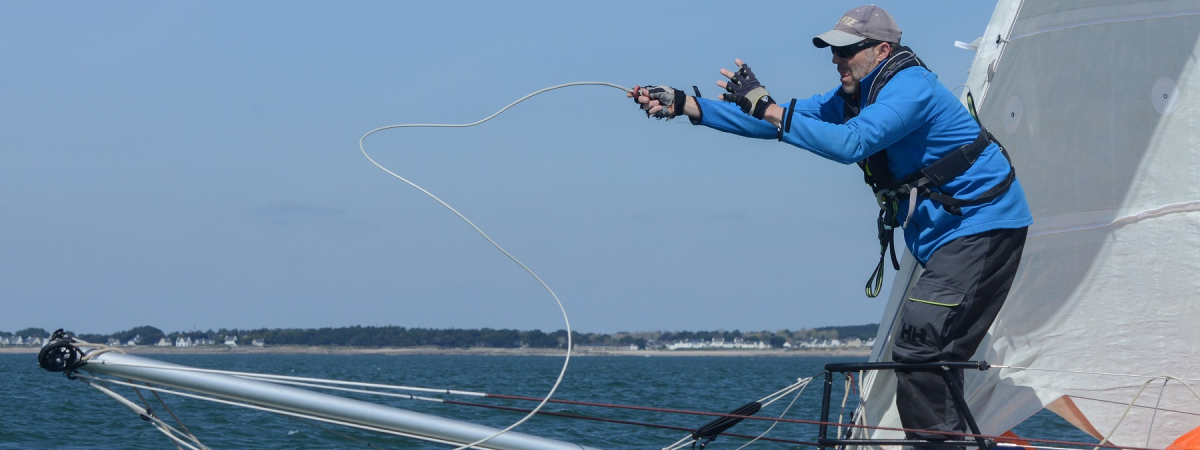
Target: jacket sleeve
895 114
727 117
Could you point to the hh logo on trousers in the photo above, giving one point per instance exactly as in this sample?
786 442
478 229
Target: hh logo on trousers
912 334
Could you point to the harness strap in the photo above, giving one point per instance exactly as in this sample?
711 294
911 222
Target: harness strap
921 183
926 180
887 245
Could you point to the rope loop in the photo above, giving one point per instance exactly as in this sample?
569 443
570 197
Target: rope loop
514 259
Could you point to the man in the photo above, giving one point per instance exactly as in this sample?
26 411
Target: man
963 212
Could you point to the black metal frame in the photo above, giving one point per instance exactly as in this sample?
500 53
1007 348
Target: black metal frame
955 393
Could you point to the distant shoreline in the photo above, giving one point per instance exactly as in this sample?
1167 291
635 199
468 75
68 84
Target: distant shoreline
336 350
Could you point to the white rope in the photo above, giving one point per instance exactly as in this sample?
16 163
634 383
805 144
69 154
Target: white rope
567 320
803 383
686 441
862 393
1131 404
291 380
281 412
800 384
1135 397
845 396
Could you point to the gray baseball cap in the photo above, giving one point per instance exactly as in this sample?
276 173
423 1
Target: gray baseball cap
863 22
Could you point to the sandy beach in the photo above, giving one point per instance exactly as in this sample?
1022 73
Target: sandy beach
331 350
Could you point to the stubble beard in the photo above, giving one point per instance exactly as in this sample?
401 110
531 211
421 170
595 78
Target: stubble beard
859 71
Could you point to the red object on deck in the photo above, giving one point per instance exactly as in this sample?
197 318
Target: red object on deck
1012 438
1189 441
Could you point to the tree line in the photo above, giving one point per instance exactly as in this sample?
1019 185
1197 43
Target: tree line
395 336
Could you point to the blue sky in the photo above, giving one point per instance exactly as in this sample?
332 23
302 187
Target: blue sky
195 165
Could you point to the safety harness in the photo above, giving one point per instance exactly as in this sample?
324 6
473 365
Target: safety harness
924 182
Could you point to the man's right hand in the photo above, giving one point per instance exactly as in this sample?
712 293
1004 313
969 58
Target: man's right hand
661 102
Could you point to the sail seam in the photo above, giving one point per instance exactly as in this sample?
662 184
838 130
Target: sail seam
1104 22
1126 220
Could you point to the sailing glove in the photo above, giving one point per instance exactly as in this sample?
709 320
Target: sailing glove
667 97
746 92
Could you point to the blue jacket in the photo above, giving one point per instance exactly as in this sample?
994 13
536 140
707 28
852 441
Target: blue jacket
918 121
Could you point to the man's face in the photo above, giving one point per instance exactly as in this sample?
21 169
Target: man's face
854 68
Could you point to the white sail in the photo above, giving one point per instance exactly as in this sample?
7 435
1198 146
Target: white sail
1096 101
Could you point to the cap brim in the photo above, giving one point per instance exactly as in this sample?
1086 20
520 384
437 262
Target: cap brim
836 38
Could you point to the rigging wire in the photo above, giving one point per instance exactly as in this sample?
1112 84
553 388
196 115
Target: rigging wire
797 387
1135 397
768 399
284 379
326 384
1085 372
168 409
772 427
1000 440
89 379
779 420
1157 403
630 422
1131 404
261 408
322 383
566 360
158 423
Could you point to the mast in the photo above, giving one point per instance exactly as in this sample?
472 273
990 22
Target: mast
315 403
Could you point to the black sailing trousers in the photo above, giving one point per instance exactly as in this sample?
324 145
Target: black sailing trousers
944 317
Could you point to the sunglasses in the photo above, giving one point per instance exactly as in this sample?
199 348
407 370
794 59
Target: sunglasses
848 51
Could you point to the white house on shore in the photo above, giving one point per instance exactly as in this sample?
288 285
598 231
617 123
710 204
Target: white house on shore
719 344
836 343
606 348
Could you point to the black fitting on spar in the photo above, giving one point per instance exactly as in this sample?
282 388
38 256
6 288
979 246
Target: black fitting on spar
60 353
711 430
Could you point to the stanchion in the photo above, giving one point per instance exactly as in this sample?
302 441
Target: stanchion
944 368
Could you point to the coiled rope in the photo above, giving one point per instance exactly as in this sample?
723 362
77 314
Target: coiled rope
566 319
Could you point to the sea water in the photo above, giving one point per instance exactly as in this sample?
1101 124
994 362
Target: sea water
43 410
